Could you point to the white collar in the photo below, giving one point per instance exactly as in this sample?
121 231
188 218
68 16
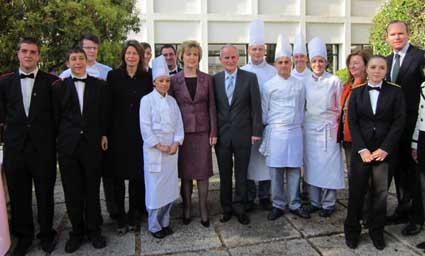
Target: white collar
403 51
35 71
375 86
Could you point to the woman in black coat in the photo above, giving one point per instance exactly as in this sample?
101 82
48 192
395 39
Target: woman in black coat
128 84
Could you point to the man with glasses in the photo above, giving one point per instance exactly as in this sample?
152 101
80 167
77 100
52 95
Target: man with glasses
90 44
170 56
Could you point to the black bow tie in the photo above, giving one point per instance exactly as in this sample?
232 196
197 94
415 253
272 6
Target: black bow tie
173 72
370 88
23 76
84 80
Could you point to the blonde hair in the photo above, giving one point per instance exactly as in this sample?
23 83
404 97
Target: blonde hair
187 45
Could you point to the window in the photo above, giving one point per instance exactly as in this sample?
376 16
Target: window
158 48
366 47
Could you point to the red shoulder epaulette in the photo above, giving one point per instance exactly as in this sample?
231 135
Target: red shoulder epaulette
7 74
56 82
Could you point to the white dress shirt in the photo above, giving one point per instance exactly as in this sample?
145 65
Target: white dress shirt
79 86
27 85
402 54
374 94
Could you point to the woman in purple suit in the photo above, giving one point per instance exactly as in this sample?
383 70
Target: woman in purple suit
194 93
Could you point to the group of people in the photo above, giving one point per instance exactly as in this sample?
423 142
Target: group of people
152 126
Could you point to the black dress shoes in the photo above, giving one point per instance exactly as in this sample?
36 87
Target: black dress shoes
168 231
300 212
22 247
421 245
312 209
352 243
73 244
98 241
226 217
275 214
411 229
48 244
266 204
325 213
205 223
243 219
379 244
160 234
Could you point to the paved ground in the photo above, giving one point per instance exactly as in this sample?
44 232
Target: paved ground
288 235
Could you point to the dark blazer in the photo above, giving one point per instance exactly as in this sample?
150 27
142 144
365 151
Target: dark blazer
39 126
382 129
410 78
125 139
74 125
241 119
199 114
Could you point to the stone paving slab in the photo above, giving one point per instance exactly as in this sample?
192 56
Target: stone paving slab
410 241
335 246
221 252
296 247
214 207
186 238
233 234
319 226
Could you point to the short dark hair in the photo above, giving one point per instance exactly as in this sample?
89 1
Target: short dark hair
167 46
28 40
90 37
146 45
397 21
377 56
75 50
140 51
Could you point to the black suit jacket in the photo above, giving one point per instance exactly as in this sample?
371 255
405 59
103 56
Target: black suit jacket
73 125
38 127
410 78
382 129
241 119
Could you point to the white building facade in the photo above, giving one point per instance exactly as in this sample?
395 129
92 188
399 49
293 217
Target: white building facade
342 24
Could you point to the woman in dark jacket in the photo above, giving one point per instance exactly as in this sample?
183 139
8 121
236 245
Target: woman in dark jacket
194 94
128 84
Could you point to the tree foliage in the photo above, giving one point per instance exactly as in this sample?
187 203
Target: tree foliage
58 24
410 11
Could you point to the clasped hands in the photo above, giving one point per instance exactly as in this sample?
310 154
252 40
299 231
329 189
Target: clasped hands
377 155
171 150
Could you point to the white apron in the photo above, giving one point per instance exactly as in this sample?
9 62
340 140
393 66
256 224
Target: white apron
323 166
257 168
160 122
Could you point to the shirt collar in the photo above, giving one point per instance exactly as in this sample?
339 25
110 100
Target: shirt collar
35 71
158 95
375 86
261 65
403 51
226 74
82 77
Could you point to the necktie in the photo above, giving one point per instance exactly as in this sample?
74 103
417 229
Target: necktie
229 88
370 88
84 80
23 76
396 68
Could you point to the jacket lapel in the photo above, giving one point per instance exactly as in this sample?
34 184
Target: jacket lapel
86 96
406 64
367 102
18 93
238 85
34 99
389 65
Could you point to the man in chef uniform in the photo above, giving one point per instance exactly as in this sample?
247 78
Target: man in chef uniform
283 101
300 70
161 126
257 169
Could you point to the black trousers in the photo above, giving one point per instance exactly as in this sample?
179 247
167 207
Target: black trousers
136 198
417 211
81 183
23 169
361 174
225 155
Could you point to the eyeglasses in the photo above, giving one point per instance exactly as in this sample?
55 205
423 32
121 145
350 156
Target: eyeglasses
89 48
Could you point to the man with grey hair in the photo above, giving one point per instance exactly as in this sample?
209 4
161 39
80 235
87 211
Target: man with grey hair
239 124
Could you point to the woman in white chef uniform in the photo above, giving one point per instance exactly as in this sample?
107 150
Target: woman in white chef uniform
283 103
322 154
162 131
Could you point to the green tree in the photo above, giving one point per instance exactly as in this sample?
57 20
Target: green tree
410 11
58 24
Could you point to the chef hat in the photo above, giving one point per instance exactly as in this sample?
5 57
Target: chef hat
316 47
159 67
299 44
283 48
256 32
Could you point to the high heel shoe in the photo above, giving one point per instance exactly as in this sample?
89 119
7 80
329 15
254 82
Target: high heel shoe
205 223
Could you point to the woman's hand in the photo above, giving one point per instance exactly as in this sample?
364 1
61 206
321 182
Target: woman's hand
162 148
366 156
173 149
379 155
213 141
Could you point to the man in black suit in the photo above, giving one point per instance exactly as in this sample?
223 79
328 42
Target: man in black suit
170 55
26 114
239 121
80 110
405 69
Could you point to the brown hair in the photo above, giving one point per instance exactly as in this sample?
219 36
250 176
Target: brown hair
140 51
187 45
365 57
